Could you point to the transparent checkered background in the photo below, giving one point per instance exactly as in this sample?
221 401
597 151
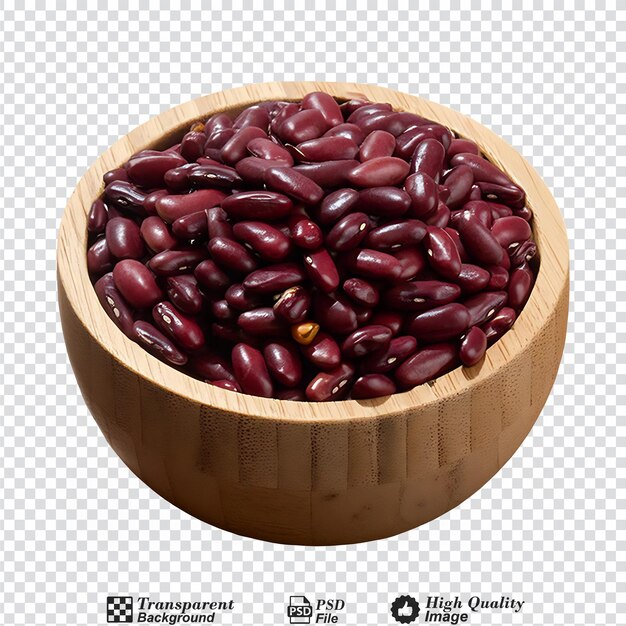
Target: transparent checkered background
78 526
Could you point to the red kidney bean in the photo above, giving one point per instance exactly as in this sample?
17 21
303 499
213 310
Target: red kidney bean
454 234
114 304
323 352
210 366
408 141
333 385
349 131
99 258
421 295
283 363
522 253
173 262
231 256
387 202
97 218
259 205
184 293
478 240
361 292
157 344
254 116
293 184
472 278
520 285
306 234
365 340
441 323
191 226
391 319
214 176
499 324
235 148
251 371
412 264
511 196
396 234
524 212
252 169
222 311
379 172
119 173
424 194
149 202
372 264
156 234
484 306
458 146
268 242
350 106
137 284
459 181
225 384
384 361
427 364
148 170
372 386
475 193
192 145
443 255
182 329
124 239
171 207
379 143
261 322
217 223
322 270
473 347
348 232
506 261
367 109
210 276
499 210
483 170
440 217
219 121
428 158
510 230
327 148
238 298
268 150
334 314
394 123
302 126
337 204
293 305
325 104
126 197
499 278
177 179
479 209
288 110
329 174
274 278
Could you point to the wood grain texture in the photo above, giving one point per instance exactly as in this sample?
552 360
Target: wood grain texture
306 473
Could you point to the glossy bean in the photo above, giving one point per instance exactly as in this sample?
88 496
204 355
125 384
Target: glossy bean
408 141
266 149
348 232
522 253
428 158
427 364
459 181
413 264
306 234
261 322
372 264
365 340
182 329
323 352
378 143
383 361
254 116
124 238
149 170
511 230
479 209
156 234
327 148
258 205
252 169
211 366
211 277
218 121
235 148
99 258
183 292
395 123
329 174
454 234
293 305
231 256
283 363
499 324
440 217
361 292
498 278
337 204
149 202
156 343
268 242
125 197
441 323
114 304
251 371
191 226
225 384
325 104
391 319
293 184
192 145
421 295
484 306
369 108
472 278
332 385
137 284
302 126
483 170
473 347
177 179
524 212
218 139
387 202
118 173
499 210
222 311
520 286
322 270
458 146
442 254
379 172
286 111
171 207
396 234
424 194
274 278
173 262
478 240
214 176
511 196
372 386
349 131
239 299
97 218
334 314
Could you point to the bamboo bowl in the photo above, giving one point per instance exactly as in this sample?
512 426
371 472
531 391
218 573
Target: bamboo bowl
306 473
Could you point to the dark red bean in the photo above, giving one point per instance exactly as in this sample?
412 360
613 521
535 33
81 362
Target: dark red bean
484 306
171 207
99 258
225 384
261 322
235 148
499 324
421 295
124 239
368 109
424 194
388 202
333 385
97 218
283 363
524 212
337 204
294 184
286 111
394 123
379 143
522 253
219 121
156 343
348 232
443 255
251 371
379 172
323 352
458 146
459 181
334 314
472 278
222 311
412 264
184 293
148 170
173 262
441 323
156 234
238 298
511 230
119 173
372 264
427 364
217 223
499 210
479 209
126 197
293 305
326 149
177 180
214 176
212 277
325 104
520 285
266 149
428 158
322 270
408 141
365 340
454 234
302 126
372 386
480 244
475 193
114 304
391 319
349 131
182 329
274 278
361 292
473 347
440 217
511 196
192 145
306 234
483 170
231 256
396 234
259 205
330 174
268 242
252 169
210 366
191 226
499 278
137 284
383 361
253 116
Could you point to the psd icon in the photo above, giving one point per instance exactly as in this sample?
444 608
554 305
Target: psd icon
299 610
119 609
405 609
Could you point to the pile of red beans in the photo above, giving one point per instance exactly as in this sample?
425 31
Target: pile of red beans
313 250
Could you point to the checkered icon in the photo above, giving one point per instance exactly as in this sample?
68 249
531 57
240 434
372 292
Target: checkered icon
119 609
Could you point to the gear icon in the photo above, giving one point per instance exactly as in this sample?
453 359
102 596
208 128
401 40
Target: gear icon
405 609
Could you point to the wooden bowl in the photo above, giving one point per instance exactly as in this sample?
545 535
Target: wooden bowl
306 473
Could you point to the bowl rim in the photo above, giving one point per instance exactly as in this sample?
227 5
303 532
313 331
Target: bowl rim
548 228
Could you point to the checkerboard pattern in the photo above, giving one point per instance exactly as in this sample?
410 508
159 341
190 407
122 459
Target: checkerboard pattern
119 609
77 525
